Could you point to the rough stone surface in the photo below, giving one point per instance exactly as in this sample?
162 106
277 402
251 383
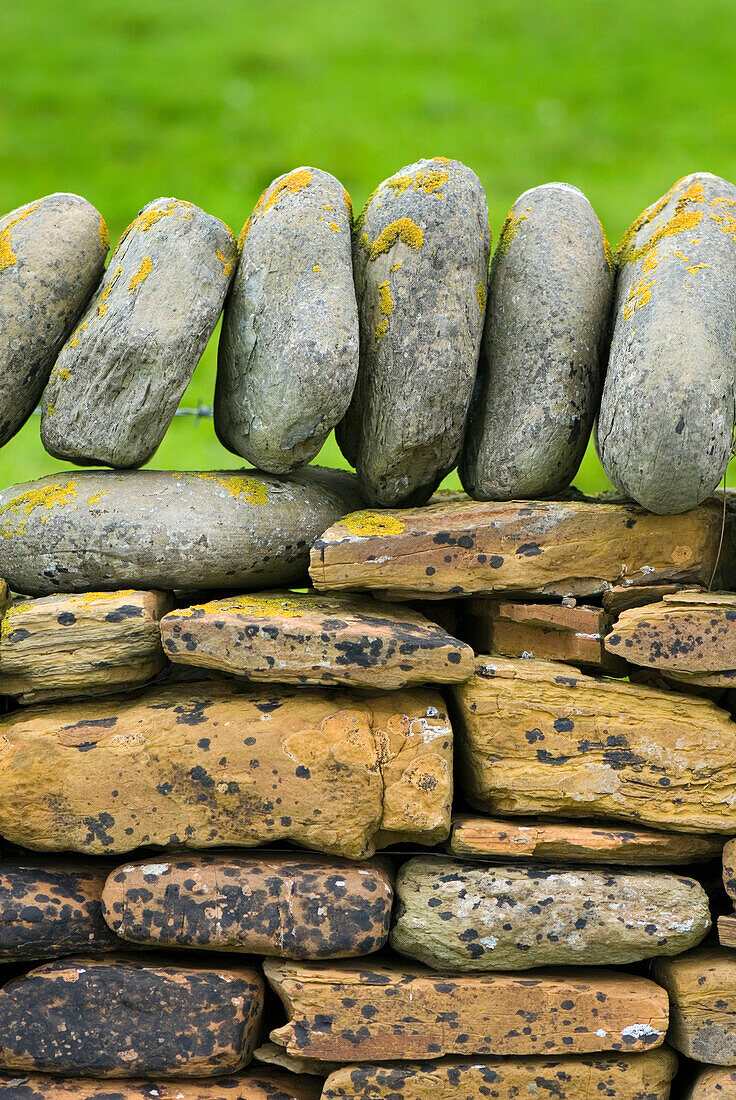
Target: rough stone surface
288 356
50 908
91 644
123 1018
273 1055
727 930
298 907
619 1076
388 1011
52 256
88 530
684 633
539 380
553 548
207 765
713 1083
420 257
253 1084
572 842
621 597
307 638
702 990
119 378
729 869
667 412
465 916
541 737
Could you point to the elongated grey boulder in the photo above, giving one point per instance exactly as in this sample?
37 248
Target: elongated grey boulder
420 256
149 529
539 382
120 376
468 916
667 413
288 355
52 256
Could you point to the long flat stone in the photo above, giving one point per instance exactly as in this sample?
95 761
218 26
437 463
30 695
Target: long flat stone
701 986
684 633
253 1084
385 1010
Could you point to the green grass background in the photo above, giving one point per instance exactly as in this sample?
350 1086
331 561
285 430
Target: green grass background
208 100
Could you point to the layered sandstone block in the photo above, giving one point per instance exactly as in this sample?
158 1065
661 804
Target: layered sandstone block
206 765
387 1011
299 907
308 638
570 842
253 1084
541 737
271 1054
465 916
553 548
702 990
713 1083
91 644
121 1018
620 1076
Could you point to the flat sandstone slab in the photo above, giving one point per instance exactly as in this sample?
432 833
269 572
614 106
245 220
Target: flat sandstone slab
619 1076
91 644
537 737
713 1083
295 906
702 990
253 1084
386 1011
571 842
307 638
207 764
684 633
556 548
120 1018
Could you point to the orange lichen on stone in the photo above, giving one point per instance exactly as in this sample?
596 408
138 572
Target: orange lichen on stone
641 291
289 185
148 218
404 230
370 524
102 305
104 234
481 291
238 486
74 341
682 219
429 181
141 274
348 204
334 227
13 513
227 265
608 252
509 230
7 256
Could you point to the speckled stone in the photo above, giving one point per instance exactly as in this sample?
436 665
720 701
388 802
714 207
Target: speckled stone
120 376
729 869
288 356
702 990
687 632
386 1010
420 257
253 1084
466 916
713 1083
124 1018
52 256
667 412
298 907
546 324
89 530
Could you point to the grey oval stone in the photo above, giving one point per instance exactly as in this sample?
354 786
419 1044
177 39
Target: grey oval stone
288 355
466 916
420 256
539 380
52 255
667 411
99 530
120 376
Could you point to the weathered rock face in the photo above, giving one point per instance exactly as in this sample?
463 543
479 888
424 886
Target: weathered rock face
702 991
667 412
273 1055
288 356
50 908
167 530
620 1076
253 1084
385 1011
541 737
554 548
568 842
124 1018
713 1084
207 765
421 267
727 930
120 376
729 869
298 907
52 256
306 638
92 644
540 367
464 916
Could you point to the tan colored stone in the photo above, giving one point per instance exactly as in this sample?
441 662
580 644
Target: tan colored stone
253 1084
271 1054
622 596
727 930
713 1083
683 633
702 990
729 869
92 644
387 1011
536 737
208 764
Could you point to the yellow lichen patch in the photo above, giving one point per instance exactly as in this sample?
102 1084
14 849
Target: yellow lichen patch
396 266
334 227
682 219
102 305
370 524
74 341
348 204
97 497
141 274
327 206
385 299
442 160
104 234
608 252
240 487
7 256
265 607
289 185
693 268
726 221
51 409
381 328
227 265
316 267
509 230
13 513
399 184
404 230
148 218
90 598
641 291
481 292
428 180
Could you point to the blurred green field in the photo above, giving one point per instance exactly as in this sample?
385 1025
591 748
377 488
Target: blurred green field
208 101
